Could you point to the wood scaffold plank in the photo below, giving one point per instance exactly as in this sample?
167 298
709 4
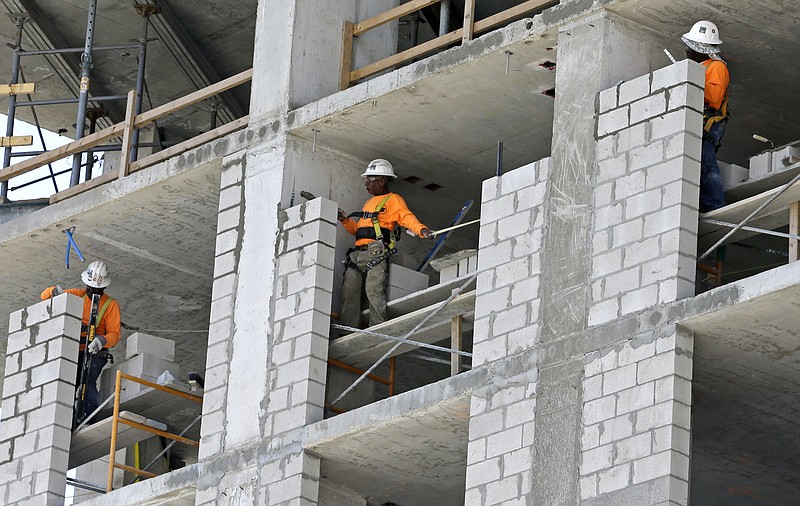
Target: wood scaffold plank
392 14
17 140
794 228
469 21
347 55
17 89
456 333
127 135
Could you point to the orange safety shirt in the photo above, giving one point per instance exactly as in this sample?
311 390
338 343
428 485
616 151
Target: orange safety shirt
394 212
717 80
108 327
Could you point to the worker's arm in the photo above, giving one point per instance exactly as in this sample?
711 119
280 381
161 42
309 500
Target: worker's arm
112 322
404 217
717 80
349 225
47 293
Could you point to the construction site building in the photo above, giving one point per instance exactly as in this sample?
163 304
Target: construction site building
597 340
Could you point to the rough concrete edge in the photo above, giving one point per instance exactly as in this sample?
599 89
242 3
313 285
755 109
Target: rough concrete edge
176 484
137 181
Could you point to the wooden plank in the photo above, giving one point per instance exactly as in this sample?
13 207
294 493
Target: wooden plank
424 298
17 140
456 334
391 14
17 89
61 152
152 115
347 56
469 21
407 55
503 17
127 135
153 159
794 228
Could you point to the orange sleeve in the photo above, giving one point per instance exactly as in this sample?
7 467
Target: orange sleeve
110 328
47 293
349 225
717 80
397 211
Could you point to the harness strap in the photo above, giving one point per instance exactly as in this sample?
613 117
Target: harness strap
376 224
103 308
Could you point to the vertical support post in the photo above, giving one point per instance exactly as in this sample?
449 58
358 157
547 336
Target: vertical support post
139 89
794 227
127 135
444 17
469 21
392 363
414 29
83 97
114 427
12 107
347 55
456 332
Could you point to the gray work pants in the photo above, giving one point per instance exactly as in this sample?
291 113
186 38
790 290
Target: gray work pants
374 284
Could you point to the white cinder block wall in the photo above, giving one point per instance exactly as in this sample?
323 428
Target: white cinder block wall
646 192
38 394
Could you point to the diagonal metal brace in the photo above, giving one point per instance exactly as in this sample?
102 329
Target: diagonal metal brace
418 344
750 216
751 229
404 340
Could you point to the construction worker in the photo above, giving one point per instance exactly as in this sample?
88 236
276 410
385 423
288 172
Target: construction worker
367 262
702 45
107 332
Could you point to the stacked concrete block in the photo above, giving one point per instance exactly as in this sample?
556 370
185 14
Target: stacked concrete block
303 292
291 480
510 250
146 357
646 192
403 281
38 394
500 454
636 421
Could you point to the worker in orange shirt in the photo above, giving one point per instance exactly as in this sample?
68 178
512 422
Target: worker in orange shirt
107 332
702 45
367 262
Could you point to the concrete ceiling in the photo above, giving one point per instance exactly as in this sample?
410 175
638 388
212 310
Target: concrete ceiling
744 402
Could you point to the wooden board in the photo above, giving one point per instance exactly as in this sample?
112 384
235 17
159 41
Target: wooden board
362 350
391 15
17 140
94 441
17 89
775 215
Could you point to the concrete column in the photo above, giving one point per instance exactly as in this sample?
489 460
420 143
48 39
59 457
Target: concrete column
298 47
646 192
38 395
635 423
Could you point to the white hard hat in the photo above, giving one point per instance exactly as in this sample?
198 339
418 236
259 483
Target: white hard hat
379 167
704 32
96 275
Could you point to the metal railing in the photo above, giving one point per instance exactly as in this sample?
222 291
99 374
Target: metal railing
465 34
126 130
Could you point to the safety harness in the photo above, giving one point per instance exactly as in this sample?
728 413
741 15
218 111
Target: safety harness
100 314
711 115
377 233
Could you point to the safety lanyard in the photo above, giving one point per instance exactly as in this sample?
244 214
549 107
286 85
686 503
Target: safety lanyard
376 224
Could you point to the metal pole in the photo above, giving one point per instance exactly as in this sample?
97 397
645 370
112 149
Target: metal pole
140 85
78 50
499 158
86 69
444 17
60 101
12 107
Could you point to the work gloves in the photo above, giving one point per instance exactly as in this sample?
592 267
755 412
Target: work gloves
57 290
425 233
340 215
97 344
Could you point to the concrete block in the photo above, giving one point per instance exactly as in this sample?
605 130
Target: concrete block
510 319
12 364
654 416
321 209
68 304
635 89
58 414
310 233
656 367
58 391
224 264
18 341
651 467
501 491
483 473
486 424
25 445
8 409
406 279
648 107
671 438
638 300
19 490
227 220
230 197
11 428
684 71
60 369
619 379
628 232
54 436
38 313
588 487
645 156
621 282
147 366
15 321
50 482
29 400
681 145
641 251
65 347
599 409
685 95
56 328
531 197
226 241
608 216
504 442
608 99
596 459
633 448
732 174
310 276
606 263
232 172
632 137
498 209
612 121
492 256
517 179
590 437
613 479
603 312
629 185
682 120
221 309
140 344
490 189
34 356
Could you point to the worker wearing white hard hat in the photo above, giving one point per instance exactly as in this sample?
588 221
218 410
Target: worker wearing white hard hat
373 228
107 332
702 46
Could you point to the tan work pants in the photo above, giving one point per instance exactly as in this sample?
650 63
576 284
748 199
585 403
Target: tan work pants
373 283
